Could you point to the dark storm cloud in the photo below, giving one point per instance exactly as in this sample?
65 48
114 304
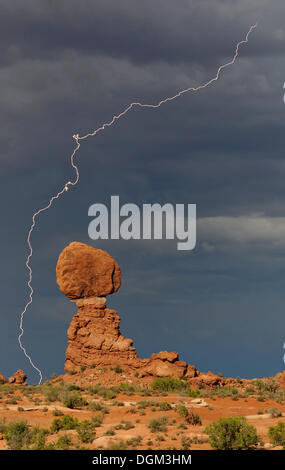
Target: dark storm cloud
68 67
143 32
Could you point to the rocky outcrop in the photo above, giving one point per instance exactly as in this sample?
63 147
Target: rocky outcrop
95 344
19 378
2 379
165 364
207 380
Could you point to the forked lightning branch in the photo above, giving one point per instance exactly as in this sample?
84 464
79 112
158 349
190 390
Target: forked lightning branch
78 139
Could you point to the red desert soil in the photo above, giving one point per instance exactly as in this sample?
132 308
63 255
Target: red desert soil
209 410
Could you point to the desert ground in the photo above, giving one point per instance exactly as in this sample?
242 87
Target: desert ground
62 415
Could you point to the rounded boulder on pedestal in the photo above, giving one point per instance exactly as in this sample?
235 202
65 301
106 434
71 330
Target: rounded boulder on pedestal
84 271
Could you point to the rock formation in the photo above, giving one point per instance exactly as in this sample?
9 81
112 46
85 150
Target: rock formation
95 344
19 378
2 379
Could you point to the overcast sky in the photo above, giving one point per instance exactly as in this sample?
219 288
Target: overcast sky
68 66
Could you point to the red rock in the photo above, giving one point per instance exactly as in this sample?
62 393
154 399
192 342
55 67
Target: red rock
163 368
84 271
191 372
166 356
19 378
209 380
95 343
94 339
2 379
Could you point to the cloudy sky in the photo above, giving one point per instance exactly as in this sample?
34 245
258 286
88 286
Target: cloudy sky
67 67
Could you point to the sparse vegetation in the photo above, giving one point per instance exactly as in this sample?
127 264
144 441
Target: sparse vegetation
159 424
276 434
167 384
232 433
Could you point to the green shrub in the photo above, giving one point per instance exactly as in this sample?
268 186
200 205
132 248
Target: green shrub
37 438
17 435
232 433
85 431
182 410
193 419
52 394
127 425
194 393
165 406
110 432
118 445
66 422
108 395
97 420
276 434
158 425
168 384
96 406
274 412
63 443
185 443
73 400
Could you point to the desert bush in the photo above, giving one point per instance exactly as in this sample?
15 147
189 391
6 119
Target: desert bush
232 433
127 425
3 425
276 434
118 445
108 394
52 394
17 435
147 403
134 442
185 443
97 406
165 406
57 412
182 410
11 401
110 432
65 423
158 425
85 431
194 393
73 400
270 386
63 443
193 419
97 420
168 384
127 388
274 412
37 438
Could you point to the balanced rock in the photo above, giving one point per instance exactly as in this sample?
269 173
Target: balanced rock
96 348
83 271
19 378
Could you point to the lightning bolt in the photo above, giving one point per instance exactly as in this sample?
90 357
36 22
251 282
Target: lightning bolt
69 184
